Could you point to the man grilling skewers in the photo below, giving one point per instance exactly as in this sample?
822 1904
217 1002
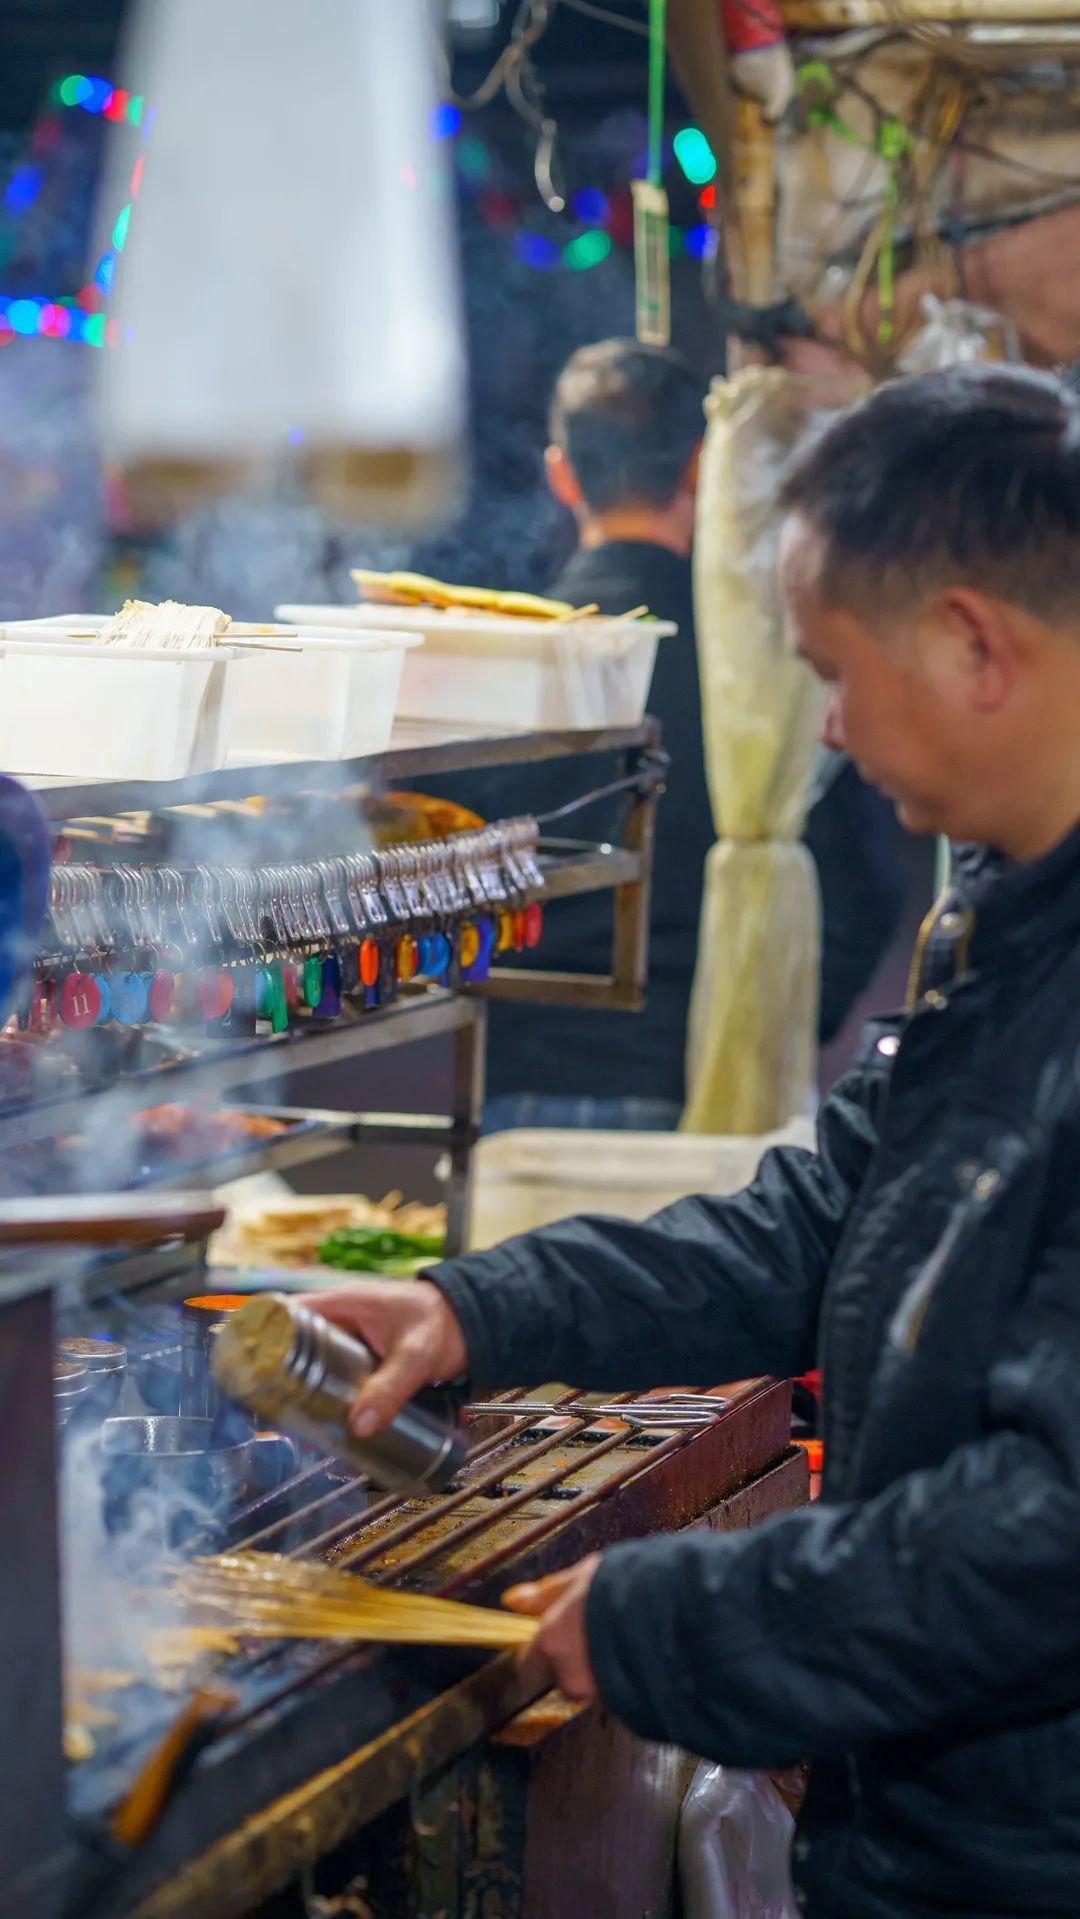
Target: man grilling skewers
914 1634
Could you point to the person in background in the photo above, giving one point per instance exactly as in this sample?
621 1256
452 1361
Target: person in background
626 426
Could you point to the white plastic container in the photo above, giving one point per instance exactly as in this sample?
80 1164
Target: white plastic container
74 709
529 1178
505 674
309 695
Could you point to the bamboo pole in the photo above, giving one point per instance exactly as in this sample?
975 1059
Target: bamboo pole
805 16
749 233
698 54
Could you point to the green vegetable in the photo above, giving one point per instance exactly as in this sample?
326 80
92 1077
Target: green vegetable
378 1249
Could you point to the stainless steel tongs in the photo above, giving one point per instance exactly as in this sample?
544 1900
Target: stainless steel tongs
677 1409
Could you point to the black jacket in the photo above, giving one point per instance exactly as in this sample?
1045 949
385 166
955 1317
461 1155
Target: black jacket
916 1633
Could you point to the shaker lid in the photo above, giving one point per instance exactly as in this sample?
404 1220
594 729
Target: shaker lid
253 1346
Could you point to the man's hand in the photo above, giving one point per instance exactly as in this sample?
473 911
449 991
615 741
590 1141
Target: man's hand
559 1603
412 1329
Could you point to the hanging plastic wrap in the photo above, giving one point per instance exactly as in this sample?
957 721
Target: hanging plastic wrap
761 62
955 332
753 1017
735 1836
286 297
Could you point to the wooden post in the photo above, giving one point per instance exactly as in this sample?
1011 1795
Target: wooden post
749 236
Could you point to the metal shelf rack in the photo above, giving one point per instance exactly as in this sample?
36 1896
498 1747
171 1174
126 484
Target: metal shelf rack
33 1816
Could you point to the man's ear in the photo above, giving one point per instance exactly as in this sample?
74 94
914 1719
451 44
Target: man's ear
562 479
977 652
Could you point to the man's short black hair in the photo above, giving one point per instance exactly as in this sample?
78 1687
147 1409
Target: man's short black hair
628 418
965 477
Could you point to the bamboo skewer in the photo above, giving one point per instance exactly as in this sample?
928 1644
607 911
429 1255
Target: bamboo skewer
262 1596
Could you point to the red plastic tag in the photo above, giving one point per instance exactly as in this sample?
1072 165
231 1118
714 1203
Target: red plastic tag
213 992
369 963
79 1000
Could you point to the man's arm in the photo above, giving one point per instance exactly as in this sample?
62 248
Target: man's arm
710 1288
949 1600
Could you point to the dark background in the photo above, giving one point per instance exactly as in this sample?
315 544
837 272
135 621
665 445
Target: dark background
58 550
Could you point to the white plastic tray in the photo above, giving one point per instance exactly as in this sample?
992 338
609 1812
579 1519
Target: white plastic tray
298 694
511 674
76 709
310 695
532 1177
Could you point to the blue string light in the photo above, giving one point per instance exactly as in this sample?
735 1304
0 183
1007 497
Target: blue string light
23 316
445 121
22 189
66 318
590 206
700 241
534 251
103 273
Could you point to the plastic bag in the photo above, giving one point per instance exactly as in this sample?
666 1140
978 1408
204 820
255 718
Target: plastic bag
953 332
751 1041
734 1845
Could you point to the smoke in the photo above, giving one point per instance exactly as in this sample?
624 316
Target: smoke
100 1569
52 509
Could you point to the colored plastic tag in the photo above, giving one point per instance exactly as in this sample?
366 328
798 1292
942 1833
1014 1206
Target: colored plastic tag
329 1006
213 992
369 963
406 957
440 956
104 1011
279 1010
312 982
129 998
79 1000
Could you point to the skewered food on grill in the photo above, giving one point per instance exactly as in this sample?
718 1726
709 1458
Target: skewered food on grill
264 1596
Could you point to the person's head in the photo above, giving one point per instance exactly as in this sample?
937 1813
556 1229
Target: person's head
625 430
930 562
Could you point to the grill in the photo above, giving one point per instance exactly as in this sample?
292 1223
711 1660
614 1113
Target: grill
372 1782
321 1743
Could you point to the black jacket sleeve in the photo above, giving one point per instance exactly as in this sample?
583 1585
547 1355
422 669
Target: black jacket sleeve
709 1289
948 1602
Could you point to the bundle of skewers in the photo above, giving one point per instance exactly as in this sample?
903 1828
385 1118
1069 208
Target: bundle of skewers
263 1596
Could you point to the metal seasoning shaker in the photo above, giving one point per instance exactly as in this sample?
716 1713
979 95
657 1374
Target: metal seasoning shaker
290 1366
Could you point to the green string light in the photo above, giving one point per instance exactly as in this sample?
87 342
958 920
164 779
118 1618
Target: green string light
695 156
587 250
